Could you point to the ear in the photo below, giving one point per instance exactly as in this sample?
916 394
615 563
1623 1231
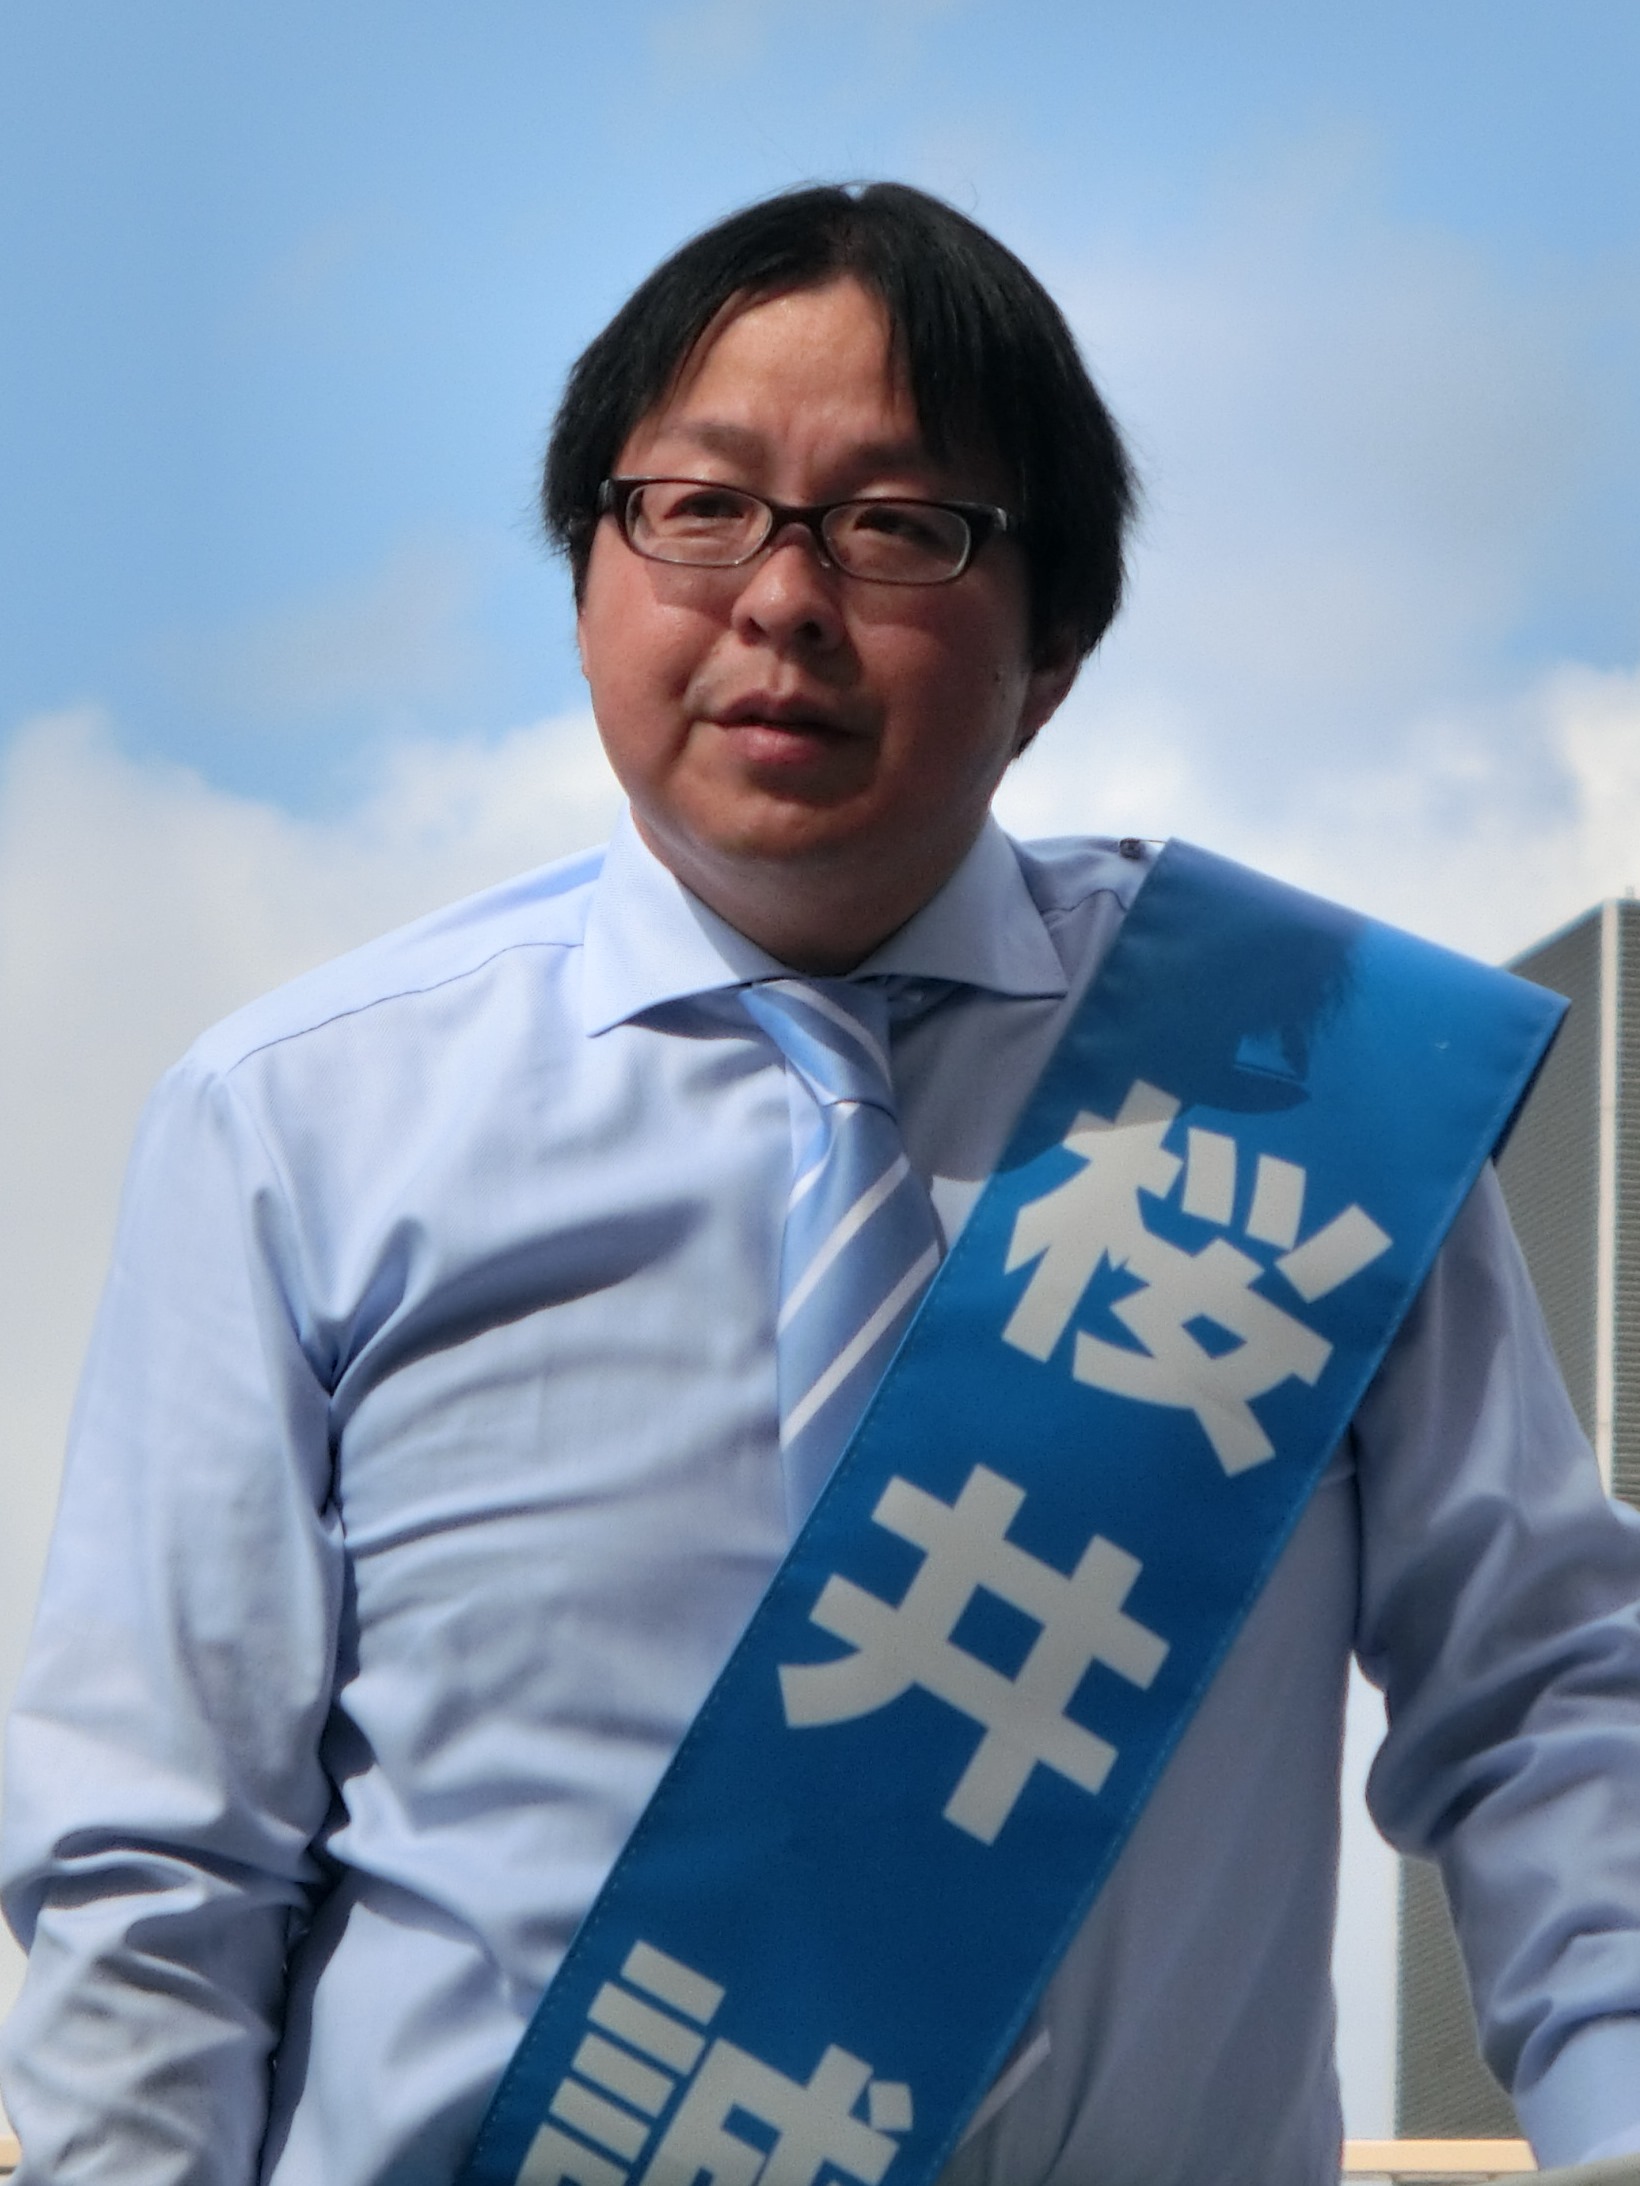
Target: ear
1052 673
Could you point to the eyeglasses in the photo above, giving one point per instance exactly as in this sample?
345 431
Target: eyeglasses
885 541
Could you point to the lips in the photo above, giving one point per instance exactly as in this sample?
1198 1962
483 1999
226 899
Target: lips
798 715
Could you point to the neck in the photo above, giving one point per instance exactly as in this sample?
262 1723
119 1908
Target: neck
816 917
821 919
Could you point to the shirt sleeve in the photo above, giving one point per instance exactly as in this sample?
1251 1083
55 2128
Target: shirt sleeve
163 1770
1500 1612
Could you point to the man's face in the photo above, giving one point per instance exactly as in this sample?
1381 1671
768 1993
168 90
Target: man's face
809 752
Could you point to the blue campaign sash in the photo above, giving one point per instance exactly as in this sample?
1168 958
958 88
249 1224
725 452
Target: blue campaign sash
897 1804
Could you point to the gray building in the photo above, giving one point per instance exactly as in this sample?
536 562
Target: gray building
1571 1175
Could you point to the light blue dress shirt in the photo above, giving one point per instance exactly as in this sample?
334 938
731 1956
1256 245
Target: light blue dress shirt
425 1472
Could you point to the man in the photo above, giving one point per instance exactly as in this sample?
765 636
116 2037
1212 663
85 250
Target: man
430 1455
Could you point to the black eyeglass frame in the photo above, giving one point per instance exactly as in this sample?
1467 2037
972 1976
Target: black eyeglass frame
983 519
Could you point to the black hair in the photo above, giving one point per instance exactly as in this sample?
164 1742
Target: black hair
988 360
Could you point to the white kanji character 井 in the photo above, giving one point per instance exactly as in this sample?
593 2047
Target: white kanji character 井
965 1549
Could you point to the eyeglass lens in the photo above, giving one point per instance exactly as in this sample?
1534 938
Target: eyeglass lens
894 542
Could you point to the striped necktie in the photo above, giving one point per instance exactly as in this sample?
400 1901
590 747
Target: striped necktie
860 1241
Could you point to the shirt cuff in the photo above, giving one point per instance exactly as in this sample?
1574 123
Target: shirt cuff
1585 2107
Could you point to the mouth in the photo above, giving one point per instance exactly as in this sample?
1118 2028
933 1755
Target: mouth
792 717
788 738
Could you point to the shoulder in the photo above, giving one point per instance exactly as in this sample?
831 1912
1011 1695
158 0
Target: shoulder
539 915
1064 872
1083 887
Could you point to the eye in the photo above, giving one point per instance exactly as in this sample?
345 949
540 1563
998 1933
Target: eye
684 503
898 542
909 523
695 520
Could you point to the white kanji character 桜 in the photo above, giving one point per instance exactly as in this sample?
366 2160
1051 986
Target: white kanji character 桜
1096 1216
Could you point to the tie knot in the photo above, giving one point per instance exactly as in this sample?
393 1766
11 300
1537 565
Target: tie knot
833 1032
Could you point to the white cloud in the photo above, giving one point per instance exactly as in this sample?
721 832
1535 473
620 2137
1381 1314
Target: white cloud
1373 460
1484 827
1367 1939
397 639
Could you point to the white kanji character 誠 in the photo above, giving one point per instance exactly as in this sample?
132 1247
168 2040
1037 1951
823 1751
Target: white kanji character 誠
601 2123
813 2124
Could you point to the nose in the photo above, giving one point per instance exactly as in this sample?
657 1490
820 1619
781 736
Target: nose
790 595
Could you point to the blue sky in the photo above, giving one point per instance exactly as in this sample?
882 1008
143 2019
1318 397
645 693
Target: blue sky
291 292
288 293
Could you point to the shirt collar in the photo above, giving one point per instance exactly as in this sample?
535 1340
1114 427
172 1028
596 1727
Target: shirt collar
648 940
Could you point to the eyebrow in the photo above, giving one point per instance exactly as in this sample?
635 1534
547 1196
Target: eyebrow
738 443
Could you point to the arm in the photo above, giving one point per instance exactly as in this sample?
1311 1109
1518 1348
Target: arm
164 1785
1500 1611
